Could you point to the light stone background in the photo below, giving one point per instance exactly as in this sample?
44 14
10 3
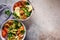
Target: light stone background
44 23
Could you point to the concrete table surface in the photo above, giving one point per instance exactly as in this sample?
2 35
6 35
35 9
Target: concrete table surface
44 23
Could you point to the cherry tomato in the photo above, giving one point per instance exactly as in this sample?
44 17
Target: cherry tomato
4 33
6 29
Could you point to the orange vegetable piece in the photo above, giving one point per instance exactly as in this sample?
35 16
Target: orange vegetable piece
6 29
21 28
10 22
4 33
24 16
20 36
21 12
17 4
6 25
18 32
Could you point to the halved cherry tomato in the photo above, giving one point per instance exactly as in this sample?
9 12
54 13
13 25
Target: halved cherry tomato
17 4
6 29
4 34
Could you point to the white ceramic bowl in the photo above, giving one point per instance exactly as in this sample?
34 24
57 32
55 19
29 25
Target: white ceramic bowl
27 17
18 21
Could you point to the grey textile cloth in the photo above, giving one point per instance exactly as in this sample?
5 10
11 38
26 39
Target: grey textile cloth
3 16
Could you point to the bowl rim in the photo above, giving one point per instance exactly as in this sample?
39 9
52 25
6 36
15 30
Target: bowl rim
18 21
27 17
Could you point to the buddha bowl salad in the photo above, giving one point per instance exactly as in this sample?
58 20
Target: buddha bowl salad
13 30
22 10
